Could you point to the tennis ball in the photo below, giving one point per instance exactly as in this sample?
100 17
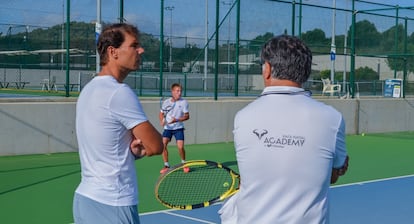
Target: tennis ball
363 134
226 184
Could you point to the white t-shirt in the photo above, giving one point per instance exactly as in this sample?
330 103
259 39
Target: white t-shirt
179 108
286 145
105 112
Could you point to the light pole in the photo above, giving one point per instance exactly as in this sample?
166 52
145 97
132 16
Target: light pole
344 89
206 47
228 3
63 34
333 47
170 8
98 30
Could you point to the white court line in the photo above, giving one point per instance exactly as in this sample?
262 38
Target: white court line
155 212
190 218
372 181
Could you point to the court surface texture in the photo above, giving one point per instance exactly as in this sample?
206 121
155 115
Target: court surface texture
378 188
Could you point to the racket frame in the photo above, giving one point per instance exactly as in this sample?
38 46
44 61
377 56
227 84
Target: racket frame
233 189
165 111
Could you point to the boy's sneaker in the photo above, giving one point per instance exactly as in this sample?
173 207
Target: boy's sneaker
186 169
164 170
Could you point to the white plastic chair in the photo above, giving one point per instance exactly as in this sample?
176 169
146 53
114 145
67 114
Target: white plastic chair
330 88
48 84
45 84
53 84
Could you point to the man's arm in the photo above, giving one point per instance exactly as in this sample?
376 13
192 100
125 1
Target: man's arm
161 117
340 168
185 117
148 140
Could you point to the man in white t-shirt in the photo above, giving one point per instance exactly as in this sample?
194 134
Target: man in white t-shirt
112 131
173 122
289 147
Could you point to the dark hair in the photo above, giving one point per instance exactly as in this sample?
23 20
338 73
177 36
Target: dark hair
113 35
289 58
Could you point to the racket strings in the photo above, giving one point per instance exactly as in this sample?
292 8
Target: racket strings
202 184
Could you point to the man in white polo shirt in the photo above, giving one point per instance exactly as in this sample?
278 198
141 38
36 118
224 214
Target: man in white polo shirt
289 147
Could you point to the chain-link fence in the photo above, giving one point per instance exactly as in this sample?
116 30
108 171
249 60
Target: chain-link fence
357 44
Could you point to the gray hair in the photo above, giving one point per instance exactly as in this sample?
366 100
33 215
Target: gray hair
289 58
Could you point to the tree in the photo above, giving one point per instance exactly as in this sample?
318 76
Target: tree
366 35
257 43
313 37
151 46
361 74
388 40
395 47
82 36
365 74
411 38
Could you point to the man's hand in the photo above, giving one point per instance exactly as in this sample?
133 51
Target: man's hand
162 122
137 148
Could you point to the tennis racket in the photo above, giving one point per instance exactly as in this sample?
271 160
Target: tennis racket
166 107
207 183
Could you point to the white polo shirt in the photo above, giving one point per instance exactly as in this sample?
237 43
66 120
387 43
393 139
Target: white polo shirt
286 145
105 112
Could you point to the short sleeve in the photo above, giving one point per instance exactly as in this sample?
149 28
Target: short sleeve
126 107
186 107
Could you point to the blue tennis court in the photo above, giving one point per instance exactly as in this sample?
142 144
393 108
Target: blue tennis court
381 201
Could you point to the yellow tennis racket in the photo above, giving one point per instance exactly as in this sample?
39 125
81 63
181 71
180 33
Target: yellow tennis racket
207 183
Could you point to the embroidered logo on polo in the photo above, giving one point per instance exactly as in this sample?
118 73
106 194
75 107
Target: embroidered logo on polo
260 133
281 142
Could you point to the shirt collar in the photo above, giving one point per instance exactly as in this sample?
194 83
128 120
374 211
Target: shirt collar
282 89
285 90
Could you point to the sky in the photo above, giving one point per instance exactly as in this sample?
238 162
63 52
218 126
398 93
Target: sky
188 16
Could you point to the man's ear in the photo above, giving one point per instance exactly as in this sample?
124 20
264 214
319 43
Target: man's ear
266 71
112 52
